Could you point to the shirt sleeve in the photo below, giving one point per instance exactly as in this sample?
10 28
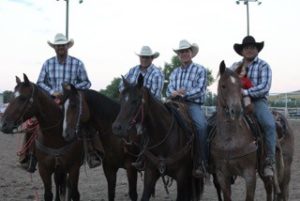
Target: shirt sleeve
43 80
157 85
262 88
171 86
83 81
198 88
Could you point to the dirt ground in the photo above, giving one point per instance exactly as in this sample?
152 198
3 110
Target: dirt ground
18 185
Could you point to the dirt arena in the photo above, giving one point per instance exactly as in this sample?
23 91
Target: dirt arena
18 185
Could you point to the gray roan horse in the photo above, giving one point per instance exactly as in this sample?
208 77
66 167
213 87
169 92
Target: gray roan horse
233 149
55 156
92 109
167 146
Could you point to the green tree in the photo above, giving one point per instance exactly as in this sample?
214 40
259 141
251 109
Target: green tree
7 96
112 90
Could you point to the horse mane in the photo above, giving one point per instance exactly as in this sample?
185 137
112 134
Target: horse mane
101 104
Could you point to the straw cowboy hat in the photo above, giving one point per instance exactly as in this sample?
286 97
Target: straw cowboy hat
184 44
61 39
248 40
147 51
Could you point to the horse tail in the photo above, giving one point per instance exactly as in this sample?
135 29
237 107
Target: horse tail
197 188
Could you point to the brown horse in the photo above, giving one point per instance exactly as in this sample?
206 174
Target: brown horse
167 147
92 109
54 154
233 149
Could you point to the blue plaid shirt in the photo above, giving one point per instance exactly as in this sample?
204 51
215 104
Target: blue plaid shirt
260 74
193 79
153 79
53 74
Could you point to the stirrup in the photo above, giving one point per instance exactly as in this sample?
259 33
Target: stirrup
32 164
94 159
139 165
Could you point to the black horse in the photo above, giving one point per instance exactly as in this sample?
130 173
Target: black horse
92 109
167 146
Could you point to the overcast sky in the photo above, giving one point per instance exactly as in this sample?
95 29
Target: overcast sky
108 33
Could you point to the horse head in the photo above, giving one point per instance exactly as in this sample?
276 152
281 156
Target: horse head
76 111
229 98
21 107
132 112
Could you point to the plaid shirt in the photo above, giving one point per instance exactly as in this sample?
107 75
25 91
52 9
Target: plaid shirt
53 74
153 79
193 79
260 74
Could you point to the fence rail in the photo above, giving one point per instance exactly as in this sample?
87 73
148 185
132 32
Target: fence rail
290 113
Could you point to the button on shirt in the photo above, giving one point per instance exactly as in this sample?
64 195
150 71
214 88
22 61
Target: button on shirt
193 79
53 74
153 79
260 74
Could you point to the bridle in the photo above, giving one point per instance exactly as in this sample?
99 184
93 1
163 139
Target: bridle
77 126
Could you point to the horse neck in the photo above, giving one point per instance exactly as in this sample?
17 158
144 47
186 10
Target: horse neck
48 113
102 115
157 116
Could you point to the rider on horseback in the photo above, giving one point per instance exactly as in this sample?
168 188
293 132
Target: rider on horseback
55 71
153 80
260 74
189 81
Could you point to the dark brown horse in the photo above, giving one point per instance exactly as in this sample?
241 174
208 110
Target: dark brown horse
54 154
92 109
233 149
167 147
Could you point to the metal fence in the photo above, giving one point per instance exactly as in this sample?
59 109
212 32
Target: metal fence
290 113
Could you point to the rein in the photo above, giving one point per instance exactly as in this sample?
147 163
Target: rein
79 115
140 111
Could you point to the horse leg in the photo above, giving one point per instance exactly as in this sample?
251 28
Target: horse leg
150 178
184 188
268 183
46 178
132 180
111 177
60 186
284 183
73 183
218 187
224 182
250 180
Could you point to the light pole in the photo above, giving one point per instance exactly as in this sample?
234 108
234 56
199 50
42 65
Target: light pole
246 2
67 16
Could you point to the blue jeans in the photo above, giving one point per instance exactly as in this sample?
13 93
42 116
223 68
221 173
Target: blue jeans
267 121
200 123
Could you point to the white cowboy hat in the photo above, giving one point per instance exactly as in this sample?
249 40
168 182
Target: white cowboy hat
184 44
61 39
147 51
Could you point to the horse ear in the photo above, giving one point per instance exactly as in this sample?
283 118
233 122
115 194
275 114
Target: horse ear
26 80
140 82
18 80
222 67
125 82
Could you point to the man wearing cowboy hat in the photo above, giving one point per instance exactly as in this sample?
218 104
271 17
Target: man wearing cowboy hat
153 80
260 74
55 71
153 76
189 81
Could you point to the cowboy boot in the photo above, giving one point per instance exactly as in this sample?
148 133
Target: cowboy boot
269 167
32 163
95 150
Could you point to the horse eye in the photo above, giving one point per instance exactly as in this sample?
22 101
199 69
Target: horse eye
223 86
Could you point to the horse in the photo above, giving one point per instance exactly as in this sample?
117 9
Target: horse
234 149
167 146
92 109
54 154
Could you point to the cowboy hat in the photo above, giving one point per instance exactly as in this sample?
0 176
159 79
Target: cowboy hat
61 39
146 51
184 44
248 40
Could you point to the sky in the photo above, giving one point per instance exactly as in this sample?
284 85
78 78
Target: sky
109 33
